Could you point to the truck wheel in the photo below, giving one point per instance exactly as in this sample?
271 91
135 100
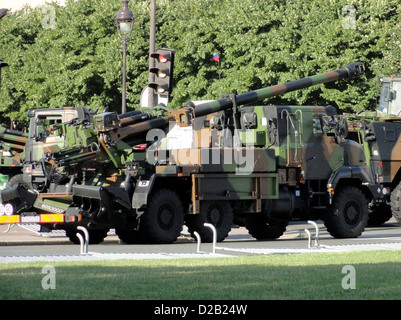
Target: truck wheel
396 203
219 214
129 236
347 217
95 236
163 220
262 227
379 214
129 233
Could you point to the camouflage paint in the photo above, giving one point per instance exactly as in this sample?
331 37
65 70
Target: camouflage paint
351 70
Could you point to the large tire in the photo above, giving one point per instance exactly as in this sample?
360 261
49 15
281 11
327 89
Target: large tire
163 220
217 213
347 217
262 227
129 236
96 236
379 214
127 230
396 203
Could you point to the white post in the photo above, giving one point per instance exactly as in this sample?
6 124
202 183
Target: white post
209 225
84 242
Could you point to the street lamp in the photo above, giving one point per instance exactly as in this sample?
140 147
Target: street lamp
125 22
3 12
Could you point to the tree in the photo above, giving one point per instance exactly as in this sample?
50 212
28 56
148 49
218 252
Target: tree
261 43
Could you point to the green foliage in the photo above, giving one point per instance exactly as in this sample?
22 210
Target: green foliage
261 43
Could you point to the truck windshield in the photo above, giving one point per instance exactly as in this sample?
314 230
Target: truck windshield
384 98
396 99
390 98
39 125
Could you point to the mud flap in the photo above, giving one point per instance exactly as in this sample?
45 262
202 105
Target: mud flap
141 193
21 198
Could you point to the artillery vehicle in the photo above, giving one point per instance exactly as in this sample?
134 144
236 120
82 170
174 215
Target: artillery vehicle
257 165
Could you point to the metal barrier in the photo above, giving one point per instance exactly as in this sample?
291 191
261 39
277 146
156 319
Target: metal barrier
316 244
84 241
213 229
199 241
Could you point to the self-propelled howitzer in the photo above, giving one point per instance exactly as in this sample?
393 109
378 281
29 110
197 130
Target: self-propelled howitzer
124 132
352 70
103 178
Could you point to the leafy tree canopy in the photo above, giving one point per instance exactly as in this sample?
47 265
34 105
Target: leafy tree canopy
76 58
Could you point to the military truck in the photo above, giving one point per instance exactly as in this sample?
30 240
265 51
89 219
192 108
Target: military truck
18 147
22 151
379 133
259 165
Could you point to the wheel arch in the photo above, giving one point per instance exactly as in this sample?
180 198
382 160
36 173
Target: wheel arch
352 176
143 190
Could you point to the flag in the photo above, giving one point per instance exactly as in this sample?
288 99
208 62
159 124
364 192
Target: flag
216 57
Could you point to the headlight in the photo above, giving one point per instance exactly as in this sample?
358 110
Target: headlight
8 209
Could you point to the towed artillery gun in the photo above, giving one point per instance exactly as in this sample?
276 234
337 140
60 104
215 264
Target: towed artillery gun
258 166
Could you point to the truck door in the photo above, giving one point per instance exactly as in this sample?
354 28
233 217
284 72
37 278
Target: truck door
322 154
294 138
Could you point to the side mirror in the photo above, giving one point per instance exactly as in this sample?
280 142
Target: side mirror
392 95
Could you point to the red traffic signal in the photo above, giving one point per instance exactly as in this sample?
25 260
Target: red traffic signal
163 71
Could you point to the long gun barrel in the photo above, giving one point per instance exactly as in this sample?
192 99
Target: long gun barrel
352 70
12 139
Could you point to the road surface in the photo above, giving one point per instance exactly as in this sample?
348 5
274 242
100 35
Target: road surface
295 239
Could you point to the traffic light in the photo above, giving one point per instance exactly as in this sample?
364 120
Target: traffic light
2 64
163 71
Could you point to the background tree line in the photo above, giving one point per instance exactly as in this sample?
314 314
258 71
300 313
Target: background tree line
77 61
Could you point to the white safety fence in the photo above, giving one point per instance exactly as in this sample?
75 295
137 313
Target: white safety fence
313 246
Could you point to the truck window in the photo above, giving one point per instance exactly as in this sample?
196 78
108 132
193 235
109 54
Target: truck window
396 99
384 97
39 126
317 126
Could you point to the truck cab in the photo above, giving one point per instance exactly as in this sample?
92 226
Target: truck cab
390 97
42 138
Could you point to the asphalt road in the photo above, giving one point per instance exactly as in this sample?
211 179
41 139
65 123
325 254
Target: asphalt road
294 238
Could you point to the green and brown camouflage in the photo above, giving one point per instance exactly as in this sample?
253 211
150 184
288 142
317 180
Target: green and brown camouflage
379 133
350 71
42 138
257 165
12 144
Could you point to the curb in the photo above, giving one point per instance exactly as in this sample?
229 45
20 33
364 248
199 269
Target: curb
46 241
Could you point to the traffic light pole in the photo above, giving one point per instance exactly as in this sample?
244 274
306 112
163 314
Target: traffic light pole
152 48
124 96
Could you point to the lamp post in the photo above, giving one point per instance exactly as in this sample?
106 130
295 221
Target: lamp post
3 12
125 22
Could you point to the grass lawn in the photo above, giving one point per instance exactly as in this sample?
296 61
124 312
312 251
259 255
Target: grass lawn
296 276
